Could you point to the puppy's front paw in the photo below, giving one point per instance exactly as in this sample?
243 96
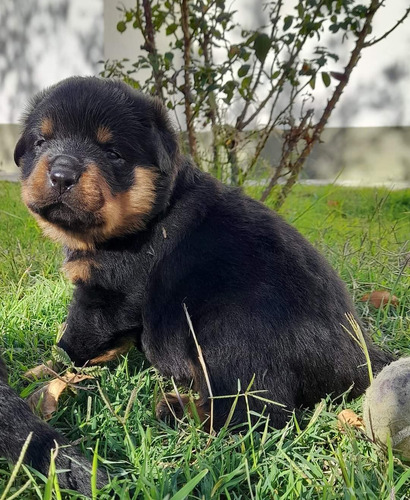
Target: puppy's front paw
171 408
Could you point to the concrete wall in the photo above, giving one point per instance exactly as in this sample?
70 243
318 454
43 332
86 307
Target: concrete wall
360 156
363 155
9 134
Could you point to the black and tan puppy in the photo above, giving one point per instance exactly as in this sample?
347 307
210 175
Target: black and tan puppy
146 232
17 422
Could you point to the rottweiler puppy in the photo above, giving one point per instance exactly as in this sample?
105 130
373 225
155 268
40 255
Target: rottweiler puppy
146 234
16 423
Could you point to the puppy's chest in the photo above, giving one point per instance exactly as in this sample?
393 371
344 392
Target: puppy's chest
79 268
111 270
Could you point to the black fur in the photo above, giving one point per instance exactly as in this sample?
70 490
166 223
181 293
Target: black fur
16 423
263 302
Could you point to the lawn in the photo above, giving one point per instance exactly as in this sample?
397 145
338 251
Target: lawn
365 235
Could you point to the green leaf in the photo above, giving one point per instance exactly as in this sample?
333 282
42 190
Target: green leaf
233 51
171 29
59 355
287 22
243 70
93 371
229 89
121 26
312 82
246 82
184 491
244 54
261 45
213 87
168 57
326 78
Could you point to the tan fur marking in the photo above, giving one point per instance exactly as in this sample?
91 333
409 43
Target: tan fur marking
104 134
36 183
118 214
78 270
93 190
112 353
47 127
32 190
92 193
71 240
125 212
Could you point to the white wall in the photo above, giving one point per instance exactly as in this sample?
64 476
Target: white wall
42 42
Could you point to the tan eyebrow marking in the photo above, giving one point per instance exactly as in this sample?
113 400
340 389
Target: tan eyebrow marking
104 135
47 127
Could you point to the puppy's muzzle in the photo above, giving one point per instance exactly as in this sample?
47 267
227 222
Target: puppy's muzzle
65 172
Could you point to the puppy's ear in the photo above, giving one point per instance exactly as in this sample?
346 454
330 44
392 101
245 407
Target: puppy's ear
21 146
166 141
19 150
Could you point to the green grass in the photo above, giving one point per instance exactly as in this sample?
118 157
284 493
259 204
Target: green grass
365 235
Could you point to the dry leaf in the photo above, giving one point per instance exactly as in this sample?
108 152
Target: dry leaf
380 298
333 203
46 398
41 371
349 418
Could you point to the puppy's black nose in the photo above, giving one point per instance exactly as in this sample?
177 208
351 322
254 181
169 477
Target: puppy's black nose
65 172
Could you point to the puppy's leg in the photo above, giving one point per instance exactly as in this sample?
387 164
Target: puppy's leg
172 407
215 413
230 409
16 423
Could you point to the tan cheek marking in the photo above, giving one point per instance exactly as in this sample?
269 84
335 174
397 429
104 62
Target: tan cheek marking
47 127
112 354
79 270
92 189
125 212
120 214
142 194
33 187
71 240
104 135
91 192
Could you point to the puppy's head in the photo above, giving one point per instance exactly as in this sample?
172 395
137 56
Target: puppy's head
97 160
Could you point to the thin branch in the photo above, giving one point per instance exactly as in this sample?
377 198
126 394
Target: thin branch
208 60
187 79
296 49
377 40
239 121
265 133
150 47
318 128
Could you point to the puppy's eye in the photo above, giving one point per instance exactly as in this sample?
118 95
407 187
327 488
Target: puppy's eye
39 143
113 155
